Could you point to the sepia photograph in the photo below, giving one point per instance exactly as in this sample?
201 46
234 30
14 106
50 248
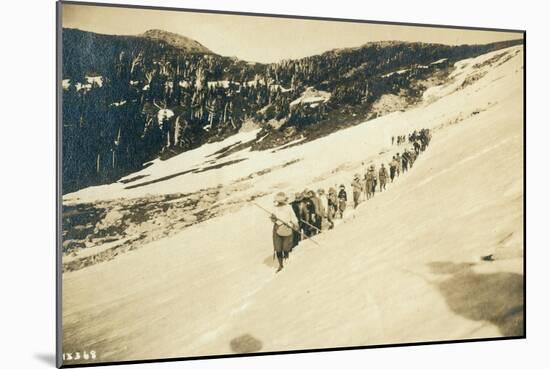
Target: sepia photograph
238 184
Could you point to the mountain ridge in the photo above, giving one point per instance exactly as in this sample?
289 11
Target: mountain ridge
177 40
151 97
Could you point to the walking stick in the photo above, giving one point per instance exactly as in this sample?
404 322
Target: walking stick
311 225
288 225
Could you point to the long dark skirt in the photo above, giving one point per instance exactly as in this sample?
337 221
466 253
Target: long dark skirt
341 207
296 238
280 243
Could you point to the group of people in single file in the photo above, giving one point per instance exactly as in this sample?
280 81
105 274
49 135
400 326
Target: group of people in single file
312 212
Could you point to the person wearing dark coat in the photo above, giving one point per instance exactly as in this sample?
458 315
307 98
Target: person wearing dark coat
405 161
371 181
311 211
342 200
304 216
398 170
383 177
393 168
297 208
412 157
416 147
332 208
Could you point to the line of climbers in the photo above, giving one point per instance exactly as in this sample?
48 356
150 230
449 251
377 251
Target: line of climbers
310 212
411 137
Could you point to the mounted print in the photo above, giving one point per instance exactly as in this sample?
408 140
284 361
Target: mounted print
245 184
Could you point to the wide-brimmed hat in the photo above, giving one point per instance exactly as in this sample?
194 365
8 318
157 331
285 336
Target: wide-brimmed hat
298 196
281 198
332 190
342 186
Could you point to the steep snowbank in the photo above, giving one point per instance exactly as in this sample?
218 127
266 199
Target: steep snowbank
403 267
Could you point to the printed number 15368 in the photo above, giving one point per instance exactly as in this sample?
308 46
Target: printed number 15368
86 355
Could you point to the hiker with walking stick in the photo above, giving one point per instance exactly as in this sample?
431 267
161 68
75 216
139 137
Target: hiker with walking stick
285 224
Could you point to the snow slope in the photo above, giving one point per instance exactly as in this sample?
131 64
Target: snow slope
403 267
